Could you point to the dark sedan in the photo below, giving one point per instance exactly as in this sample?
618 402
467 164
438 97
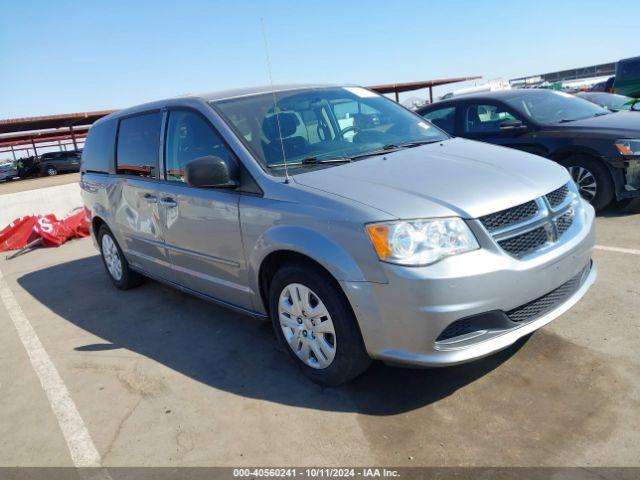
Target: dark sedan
601 149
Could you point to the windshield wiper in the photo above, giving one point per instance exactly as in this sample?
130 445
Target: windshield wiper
316 160
566 120
310 161
392 147
417 143
387 148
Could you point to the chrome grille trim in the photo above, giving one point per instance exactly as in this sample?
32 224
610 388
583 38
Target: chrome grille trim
510 216
526 243
564 221
559 198
533 233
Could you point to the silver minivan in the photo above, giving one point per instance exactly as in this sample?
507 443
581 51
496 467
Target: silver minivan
361 230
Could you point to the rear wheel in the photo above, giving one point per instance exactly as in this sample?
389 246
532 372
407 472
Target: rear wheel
116 265
593 180
314 322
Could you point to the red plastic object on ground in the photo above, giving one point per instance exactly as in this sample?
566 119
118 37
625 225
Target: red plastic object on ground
53 232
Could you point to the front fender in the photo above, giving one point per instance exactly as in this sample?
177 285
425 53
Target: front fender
310 243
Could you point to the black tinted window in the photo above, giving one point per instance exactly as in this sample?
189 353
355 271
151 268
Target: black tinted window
99 147
485 118
190 136
630 69
138 145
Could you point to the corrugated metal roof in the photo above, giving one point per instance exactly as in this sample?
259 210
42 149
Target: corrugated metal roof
51 121
409 86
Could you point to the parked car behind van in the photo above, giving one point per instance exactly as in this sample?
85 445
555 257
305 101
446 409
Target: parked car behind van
601 149
362 231
52 163
8 171
611 101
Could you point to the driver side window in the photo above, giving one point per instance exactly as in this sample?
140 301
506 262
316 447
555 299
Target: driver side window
190 136
484 118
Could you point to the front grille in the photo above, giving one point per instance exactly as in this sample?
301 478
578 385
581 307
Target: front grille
548 302
498 321
564 221
510 216
558 196
521 245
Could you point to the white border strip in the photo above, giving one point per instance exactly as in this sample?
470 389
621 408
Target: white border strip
81 446
630 251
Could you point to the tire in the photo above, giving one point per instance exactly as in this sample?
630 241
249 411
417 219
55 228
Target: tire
348 357
622 204
115 263
586 170
50 171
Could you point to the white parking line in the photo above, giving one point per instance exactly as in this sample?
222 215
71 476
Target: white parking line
630 251
83 451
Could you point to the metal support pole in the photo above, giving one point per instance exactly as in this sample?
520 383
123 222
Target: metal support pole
430 94
73 137
13 153
397 97
35 152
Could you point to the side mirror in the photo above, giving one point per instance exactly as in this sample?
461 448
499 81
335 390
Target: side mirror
513 126
211 171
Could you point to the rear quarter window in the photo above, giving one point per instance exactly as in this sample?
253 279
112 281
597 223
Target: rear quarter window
99 148
138 145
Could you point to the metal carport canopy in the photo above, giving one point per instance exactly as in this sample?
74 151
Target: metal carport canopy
66 120
409 86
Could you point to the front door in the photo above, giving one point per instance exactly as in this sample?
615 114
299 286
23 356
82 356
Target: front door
482 121
201 225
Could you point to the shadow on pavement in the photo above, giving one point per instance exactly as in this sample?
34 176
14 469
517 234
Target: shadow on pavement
224 349
633 208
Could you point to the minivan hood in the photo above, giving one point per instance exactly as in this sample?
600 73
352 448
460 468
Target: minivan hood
455 177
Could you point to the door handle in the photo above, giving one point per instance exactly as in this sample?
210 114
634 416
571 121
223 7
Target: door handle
150 198
168 202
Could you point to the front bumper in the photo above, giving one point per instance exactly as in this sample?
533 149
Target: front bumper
401 321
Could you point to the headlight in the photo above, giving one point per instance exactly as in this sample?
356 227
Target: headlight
628 146
421 242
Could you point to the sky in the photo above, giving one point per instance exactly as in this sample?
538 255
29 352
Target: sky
74 56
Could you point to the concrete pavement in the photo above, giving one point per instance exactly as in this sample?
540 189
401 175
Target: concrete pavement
164 379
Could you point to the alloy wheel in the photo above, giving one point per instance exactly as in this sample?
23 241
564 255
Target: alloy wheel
586 181
112 257
51 172
307 325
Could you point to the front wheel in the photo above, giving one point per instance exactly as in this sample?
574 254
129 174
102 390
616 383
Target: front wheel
315 324
50 171
593 180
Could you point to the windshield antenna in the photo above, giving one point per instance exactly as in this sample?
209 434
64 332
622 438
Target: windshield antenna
275 105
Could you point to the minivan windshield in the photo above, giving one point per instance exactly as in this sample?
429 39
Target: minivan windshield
323 126
554 107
